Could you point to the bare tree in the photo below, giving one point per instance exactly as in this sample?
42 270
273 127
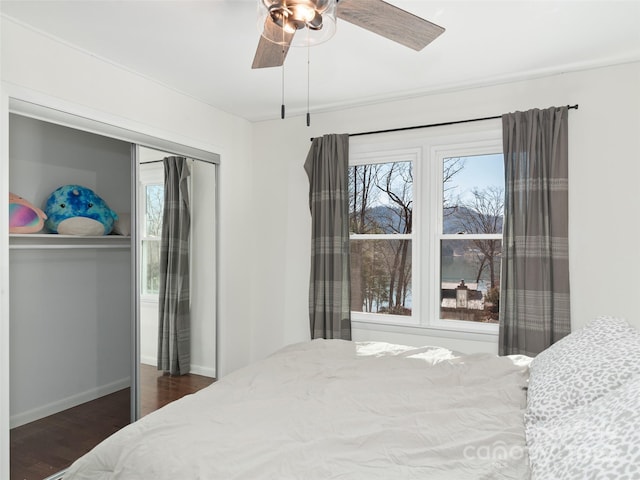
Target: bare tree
397 185
381 201
483 213
154 205
375 273
450 167
362 179
363 195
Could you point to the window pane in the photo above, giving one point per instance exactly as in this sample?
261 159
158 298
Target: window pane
381 197
381 276
470 279
154 203
473 194
150 267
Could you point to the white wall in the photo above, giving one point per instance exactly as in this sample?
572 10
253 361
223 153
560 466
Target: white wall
604 172
38 68
34 63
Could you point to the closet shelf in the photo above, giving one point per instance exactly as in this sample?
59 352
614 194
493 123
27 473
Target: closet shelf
55 241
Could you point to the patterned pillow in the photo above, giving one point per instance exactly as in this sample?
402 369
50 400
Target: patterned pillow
581 368
599 440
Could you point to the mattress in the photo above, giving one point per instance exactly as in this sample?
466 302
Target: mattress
332 409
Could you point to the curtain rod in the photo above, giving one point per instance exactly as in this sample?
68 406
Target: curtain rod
570 107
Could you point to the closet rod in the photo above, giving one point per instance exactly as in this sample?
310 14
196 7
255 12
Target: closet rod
188 158
570 107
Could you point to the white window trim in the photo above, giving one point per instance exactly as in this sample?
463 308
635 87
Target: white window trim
395 154
438 153
427 151
150 174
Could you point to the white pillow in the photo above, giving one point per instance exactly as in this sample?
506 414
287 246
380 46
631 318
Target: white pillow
599 440
581 368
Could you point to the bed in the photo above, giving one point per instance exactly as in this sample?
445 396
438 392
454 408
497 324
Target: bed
331 409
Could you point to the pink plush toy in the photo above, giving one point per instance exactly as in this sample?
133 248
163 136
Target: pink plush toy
23 216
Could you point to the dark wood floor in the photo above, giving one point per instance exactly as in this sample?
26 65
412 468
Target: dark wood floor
40 449
156 389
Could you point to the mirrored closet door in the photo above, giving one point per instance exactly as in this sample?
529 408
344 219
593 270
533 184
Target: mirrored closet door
161 380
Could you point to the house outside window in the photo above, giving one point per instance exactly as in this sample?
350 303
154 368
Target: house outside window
426 215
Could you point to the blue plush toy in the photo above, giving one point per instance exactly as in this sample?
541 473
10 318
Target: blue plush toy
77 210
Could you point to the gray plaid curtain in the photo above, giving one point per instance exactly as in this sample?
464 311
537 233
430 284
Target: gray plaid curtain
329 290
534 306
174 325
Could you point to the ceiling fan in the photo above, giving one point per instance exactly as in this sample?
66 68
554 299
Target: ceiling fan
284 18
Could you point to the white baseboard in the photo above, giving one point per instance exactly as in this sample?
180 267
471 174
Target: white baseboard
153 361
195 369
204 371
68 402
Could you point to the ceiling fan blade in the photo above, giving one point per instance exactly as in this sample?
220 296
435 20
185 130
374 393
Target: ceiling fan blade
391 22
269 54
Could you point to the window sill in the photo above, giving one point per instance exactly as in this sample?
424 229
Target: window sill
489 335
149 299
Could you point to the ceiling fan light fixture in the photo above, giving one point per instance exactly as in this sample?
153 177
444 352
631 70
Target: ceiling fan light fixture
317 17
303 12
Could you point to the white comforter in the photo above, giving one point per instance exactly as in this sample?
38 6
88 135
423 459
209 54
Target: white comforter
330 409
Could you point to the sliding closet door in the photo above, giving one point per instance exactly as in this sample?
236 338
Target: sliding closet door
202 192
203 267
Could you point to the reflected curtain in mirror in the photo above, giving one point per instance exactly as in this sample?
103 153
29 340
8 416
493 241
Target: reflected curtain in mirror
174 329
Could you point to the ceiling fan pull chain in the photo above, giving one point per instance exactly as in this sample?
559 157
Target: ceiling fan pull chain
282 106
308 80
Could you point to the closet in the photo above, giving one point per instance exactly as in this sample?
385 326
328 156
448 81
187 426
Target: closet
72 310
75 302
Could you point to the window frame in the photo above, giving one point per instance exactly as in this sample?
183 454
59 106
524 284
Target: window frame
437 155
393 155
151 173
427 150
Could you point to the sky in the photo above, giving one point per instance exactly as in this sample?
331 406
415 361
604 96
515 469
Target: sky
480 172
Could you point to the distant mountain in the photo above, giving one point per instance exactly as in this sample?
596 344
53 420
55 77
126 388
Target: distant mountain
386 219
459 219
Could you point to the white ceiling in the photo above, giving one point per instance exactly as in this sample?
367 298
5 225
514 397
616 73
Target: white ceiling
205 48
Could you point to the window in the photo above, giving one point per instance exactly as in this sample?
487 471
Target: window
426 231
471 237
381 223
151 210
